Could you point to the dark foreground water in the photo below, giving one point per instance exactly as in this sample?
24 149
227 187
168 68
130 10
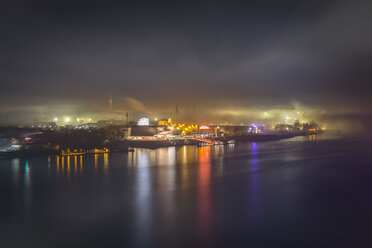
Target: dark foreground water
292 193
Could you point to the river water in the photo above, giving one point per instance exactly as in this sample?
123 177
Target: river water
299 192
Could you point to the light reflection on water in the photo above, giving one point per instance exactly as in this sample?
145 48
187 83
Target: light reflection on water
254 192
62 166
204 209
81 165
143 198
15 169
174 193
27 187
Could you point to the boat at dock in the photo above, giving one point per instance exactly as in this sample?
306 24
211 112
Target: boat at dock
83 152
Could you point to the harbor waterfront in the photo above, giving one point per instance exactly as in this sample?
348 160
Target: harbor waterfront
261 194
80 140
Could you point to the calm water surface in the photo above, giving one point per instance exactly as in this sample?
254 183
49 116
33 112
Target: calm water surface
301 192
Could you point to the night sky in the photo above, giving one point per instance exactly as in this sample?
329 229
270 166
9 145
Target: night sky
229 59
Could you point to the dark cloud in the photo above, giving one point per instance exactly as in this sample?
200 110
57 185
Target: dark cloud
208 53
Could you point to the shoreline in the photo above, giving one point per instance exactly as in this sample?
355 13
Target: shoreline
128 145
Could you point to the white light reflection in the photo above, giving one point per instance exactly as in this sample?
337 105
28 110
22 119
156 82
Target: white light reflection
219 152
143 198
15 170
166 177
49 167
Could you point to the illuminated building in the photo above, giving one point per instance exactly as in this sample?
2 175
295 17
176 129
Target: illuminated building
143 122
283 127
255 129
163 122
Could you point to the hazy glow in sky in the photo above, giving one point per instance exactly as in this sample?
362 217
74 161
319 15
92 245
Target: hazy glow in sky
218 60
